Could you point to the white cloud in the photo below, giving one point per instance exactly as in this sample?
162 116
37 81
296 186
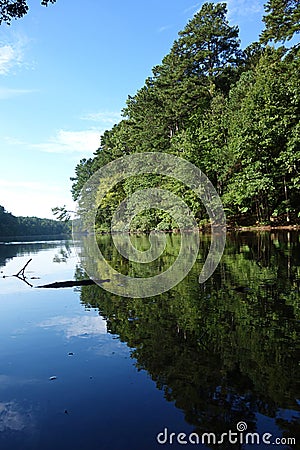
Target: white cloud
84 142
104 118
12 55
238 8
7 57
164 28
10 140
9 92
195 8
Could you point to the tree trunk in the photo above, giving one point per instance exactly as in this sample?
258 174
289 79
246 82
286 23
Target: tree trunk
286 199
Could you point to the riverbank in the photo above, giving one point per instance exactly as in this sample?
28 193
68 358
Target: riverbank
263 228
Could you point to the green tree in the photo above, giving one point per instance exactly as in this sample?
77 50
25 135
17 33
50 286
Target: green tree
264 117
282 20
29 226
15 9
8 223
234 114
202 60
83 171
147 121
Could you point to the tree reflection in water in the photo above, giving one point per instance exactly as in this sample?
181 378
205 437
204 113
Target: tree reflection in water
224 351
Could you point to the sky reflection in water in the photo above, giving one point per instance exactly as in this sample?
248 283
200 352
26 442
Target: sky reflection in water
218 353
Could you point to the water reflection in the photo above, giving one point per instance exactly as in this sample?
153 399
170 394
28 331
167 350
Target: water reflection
12 418
224 351
17 425
11 249
220 352
81 326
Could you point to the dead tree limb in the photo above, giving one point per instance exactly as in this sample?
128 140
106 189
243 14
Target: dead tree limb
72 283
21 274
59 284
22 271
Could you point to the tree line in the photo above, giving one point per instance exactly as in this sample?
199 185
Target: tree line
11 225
233 113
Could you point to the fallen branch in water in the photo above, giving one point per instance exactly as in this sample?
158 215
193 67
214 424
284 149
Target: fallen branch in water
59 284
22 271
64 284
21 274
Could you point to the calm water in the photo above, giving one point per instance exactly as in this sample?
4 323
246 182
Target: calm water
199 358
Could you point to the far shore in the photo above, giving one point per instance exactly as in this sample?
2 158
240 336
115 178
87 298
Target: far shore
263 227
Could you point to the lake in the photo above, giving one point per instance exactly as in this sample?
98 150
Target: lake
84 369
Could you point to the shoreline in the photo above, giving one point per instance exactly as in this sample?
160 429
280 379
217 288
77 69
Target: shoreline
207 229
264 228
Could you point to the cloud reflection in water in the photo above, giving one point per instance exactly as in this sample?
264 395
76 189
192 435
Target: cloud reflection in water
13 418
77 326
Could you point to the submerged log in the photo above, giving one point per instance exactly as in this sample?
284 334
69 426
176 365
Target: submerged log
72 283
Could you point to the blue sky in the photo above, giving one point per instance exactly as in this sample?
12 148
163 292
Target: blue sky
65 73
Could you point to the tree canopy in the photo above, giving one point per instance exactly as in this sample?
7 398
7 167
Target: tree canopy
15 9
232 112
282 20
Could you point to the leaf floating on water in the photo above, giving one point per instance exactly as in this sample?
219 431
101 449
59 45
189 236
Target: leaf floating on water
53 378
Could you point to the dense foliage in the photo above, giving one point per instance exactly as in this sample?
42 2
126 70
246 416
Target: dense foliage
234 113
29 226
282 20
